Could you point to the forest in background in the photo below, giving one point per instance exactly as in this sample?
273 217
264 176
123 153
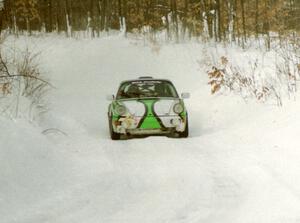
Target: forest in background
220 20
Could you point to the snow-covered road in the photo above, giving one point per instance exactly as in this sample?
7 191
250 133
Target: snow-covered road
241 163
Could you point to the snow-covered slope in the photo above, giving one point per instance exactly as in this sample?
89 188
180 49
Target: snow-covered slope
241 163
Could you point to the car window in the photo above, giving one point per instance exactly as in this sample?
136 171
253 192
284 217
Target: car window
148 89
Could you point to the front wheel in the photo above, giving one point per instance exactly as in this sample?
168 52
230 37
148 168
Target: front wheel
185 134
113 135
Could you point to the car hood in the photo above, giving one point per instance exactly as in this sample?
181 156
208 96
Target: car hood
150 107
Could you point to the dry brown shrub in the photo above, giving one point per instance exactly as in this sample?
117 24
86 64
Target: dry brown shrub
216 77
5 88
232 79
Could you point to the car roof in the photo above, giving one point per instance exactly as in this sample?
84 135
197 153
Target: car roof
145 78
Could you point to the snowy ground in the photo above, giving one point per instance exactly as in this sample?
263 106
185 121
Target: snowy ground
241 163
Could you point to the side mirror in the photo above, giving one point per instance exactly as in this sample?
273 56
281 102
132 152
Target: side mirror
110 97
185 95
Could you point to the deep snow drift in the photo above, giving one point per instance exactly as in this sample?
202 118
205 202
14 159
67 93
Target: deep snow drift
241 163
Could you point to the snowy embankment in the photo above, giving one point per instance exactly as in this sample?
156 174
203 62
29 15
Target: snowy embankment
241 163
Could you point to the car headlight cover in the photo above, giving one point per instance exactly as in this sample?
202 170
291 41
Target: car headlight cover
121 109
178 108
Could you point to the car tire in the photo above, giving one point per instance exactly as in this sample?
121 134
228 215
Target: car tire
185 133
113 135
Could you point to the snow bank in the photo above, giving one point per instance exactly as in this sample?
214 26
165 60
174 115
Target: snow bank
29 167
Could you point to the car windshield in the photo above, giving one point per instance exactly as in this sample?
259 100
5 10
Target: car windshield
146 89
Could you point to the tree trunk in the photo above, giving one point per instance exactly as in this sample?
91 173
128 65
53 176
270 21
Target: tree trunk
174 18
237 25
185 17
103 9
167 26
108 15
267 26
1 20
207 14
243 23
16 30
122 12
218 20
28 28
68 19
50 16
215 24
256 18
230 21
125 17
91 20
98 3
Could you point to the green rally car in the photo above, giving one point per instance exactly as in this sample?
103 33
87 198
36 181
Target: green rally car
147 106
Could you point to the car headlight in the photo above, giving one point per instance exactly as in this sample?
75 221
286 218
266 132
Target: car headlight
121 110
178 108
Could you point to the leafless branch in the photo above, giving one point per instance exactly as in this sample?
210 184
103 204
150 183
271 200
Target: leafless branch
28 76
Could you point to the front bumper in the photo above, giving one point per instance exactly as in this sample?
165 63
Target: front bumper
149 125
150 131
